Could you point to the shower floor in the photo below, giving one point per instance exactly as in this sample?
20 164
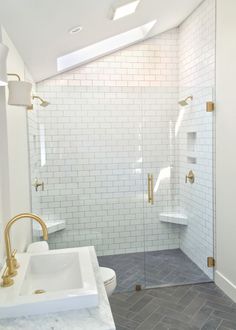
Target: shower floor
152 269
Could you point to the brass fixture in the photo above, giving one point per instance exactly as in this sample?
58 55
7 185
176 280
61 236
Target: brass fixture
6 278
210 106
190 177
150 189
211 262
184 102
11 260
15 263
39 291
14 75
37 183
43 103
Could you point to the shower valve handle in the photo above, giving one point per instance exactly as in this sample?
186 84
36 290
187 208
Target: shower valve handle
190 177
37 183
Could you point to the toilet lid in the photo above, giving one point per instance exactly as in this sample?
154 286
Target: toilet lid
108 274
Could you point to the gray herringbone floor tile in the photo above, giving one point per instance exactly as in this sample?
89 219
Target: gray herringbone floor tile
152 269
189 307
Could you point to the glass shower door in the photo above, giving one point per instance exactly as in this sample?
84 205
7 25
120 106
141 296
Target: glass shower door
159 108
178 180
123 165
91 154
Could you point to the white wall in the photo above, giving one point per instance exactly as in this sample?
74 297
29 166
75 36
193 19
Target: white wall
15 190
4 179
225 147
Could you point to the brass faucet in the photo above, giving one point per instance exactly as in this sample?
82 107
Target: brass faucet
11 261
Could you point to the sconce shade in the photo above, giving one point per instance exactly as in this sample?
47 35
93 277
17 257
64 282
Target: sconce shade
20 93
3 64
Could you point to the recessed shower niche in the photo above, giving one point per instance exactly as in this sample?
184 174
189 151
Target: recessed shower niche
191 147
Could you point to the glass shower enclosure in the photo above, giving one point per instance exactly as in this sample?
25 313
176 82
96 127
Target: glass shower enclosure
130 171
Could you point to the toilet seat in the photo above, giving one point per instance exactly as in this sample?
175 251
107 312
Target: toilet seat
109 279
108 275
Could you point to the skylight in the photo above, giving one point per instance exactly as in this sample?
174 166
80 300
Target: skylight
103 47
125 10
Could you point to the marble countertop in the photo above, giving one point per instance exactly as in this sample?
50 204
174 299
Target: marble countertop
96 318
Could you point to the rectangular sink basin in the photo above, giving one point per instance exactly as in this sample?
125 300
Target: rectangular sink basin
53 281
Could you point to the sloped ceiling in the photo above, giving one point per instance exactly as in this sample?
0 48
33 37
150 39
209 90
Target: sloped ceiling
39 28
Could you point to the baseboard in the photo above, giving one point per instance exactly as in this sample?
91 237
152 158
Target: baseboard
226 285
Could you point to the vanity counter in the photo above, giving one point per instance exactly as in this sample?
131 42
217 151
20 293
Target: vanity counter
96 318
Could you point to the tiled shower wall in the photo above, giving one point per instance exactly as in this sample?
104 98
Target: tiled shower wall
113 121
195 138
107 127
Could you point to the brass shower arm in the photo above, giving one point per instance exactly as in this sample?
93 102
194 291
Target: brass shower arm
37 97
43 103
184 102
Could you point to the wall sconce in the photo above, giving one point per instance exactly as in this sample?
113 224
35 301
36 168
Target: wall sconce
3 60
43 103
19 91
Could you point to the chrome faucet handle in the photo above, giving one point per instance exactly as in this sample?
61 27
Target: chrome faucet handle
7 280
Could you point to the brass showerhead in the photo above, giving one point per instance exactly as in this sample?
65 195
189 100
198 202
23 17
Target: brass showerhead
43 103
185 102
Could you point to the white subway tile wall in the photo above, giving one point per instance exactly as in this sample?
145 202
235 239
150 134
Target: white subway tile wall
98 136
113 121
197 78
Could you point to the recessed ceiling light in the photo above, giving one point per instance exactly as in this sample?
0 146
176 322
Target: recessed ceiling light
104 47
125 10
75 29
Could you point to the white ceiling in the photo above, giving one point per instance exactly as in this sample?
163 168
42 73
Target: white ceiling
39 28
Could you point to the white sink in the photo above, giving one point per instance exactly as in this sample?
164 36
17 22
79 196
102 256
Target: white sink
65 278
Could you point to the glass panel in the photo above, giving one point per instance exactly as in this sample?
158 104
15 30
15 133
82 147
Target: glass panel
178 139
95 155
88 152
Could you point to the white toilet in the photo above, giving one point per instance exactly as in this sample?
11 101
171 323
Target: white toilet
109 279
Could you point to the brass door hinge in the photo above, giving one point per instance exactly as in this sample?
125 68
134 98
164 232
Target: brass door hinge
210 106
211 262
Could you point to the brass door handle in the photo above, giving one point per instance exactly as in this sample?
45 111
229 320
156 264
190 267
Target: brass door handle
149 198
150 189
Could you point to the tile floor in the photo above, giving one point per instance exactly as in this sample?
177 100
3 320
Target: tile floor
151 269
189 307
